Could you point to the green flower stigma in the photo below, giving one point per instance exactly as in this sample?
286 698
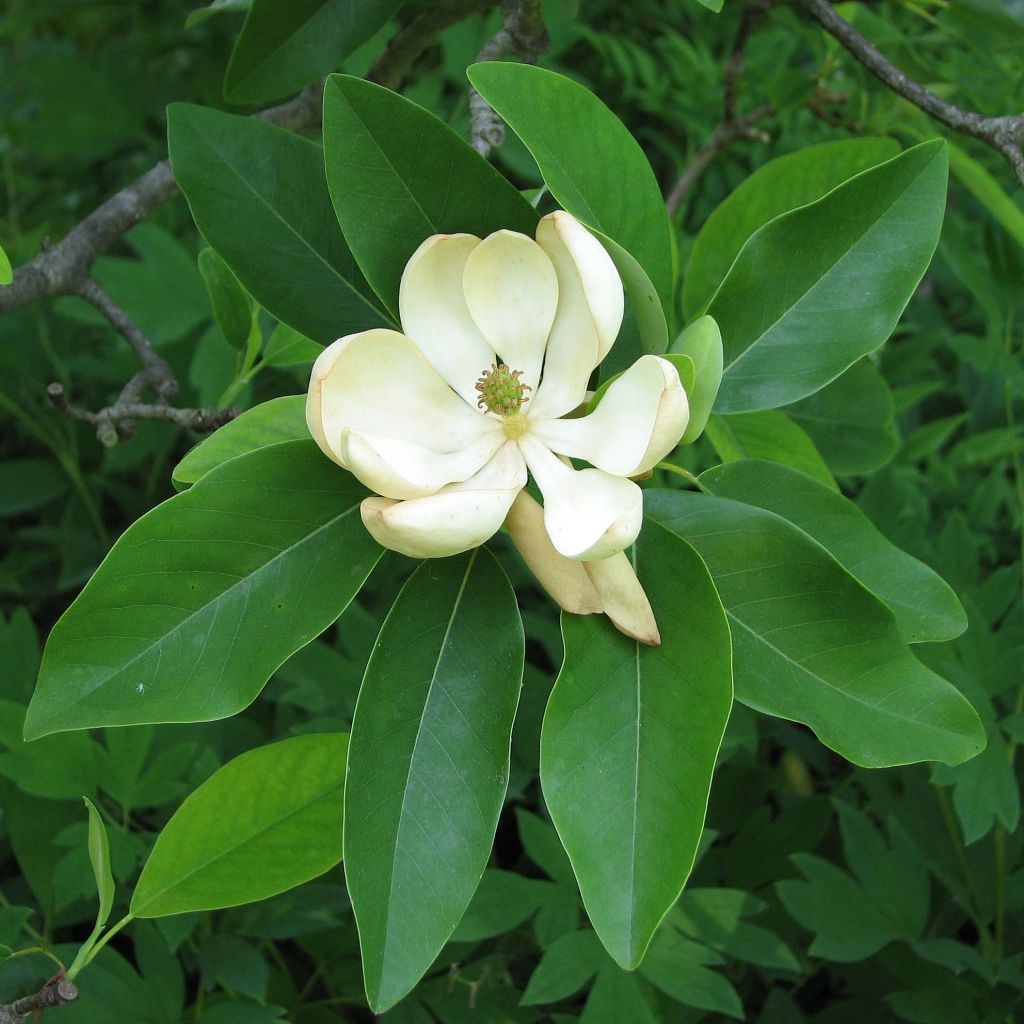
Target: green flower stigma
501 390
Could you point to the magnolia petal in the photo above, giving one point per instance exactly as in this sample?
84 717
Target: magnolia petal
402 469
456 518
512 293
588 513
563 578
638 421
378 382
623 598
434 313
589 315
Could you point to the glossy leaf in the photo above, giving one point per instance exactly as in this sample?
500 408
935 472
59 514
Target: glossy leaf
702 342
397 174
204 597
776 187
769 435
273 422
283 46
817 288
283 244
590 162
629 743
925 607
99 858
850 420
232 307
429 764
812 645
267 821
287 347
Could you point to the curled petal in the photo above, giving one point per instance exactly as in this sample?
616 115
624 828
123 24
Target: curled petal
623 598
512 293
378 382
589 314
636 424
456 518
563 578
588 513
403 469
434 313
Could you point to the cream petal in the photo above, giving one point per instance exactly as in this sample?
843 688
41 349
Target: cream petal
512 292
402 469
589 315
563 578
434 313
623 598
638 421
378 382
588 513
456 518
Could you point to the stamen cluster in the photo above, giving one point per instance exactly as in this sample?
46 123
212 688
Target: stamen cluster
501 391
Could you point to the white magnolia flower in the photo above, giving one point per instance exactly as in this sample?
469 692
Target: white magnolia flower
445 421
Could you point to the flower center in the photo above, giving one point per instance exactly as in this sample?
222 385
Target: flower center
501 391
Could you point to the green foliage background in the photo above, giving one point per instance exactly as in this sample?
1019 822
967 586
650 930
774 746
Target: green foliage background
822 892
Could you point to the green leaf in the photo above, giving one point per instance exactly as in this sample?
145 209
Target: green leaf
6 272
925 607
644 302
99 857
776 187
769 435
565 126
5 952
232 307
702 342
812 645
273 422
616 997
283 46
267 821
502 901
287 347
26 484
283 243
429 764
565 967
817 288
629 743
397 174
679 967
987 190
204 597
850 420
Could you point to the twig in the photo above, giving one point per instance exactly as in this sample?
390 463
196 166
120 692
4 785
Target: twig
56 992
523 34
62 269
411 41
156 374
732 127
113 422
1004 134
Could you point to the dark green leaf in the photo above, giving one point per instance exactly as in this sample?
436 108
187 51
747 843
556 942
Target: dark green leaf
25 484
629 744
566 966
99 857
232 306
776 187
429 764
258 195
273 422
680 968
925 607
590 162
817 288
204 597
812 645
283 46
397 174
267 821
287 347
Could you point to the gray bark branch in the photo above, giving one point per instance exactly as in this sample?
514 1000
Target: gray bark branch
56 992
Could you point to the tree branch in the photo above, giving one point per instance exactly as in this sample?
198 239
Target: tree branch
1004 134
523 34
392 64
732 127
55 992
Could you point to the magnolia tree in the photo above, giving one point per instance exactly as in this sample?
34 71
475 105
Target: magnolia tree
491 364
